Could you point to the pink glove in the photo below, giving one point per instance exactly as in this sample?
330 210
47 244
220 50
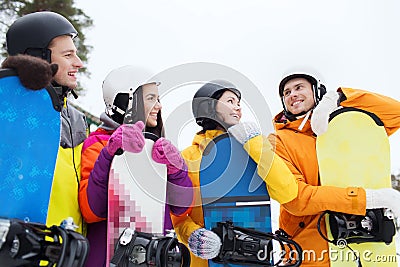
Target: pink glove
166 153
128 137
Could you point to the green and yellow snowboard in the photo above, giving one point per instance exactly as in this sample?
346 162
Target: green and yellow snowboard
355 151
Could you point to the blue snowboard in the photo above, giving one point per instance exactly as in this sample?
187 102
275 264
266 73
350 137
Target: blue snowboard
231 189
30 138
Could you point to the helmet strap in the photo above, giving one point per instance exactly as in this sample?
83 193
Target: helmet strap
318 91
116 109
131 109
289 115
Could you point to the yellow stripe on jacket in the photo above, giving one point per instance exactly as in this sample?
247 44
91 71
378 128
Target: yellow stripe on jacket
64 191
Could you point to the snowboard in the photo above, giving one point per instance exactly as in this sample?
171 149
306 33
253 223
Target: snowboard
231 189
30 138
355 152
136 194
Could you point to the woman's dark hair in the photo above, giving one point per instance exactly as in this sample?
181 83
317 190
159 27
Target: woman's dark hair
210 124
140 116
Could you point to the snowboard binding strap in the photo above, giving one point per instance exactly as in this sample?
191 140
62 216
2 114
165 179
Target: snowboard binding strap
144 249
376 226
244 246
34 244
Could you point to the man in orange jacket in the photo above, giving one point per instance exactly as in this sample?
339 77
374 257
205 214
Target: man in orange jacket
295 141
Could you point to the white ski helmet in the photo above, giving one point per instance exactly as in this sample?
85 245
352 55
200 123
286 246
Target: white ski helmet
310 75
123 80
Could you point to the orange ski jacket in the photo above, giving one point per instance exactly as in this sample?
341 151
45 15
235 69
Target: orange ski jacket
297 148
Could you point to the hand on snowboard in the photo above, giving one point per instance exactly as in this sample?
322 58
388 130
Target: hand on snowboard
244 131
165 152
34 73
384 198
128 137
320 115
204 243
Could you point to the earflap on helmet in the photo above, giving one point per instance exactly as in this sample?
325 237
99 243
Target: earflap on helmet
43 53
31 34
206 97
120 105
319 92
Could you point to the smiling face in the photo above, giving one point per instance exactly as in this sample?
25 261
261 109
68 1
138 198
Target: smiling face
228 108
298 96
152 105
63 53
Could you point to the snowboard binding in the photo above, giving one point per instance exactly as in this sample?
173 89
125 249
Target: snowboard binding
376 226
143 249
34 244
249 247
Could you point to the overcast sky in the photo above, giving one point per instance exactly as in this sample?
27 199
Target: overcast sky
351 43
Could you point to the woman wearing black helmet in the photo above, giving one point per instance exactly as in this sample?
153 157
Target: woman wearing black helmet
216 108
49 36
207 111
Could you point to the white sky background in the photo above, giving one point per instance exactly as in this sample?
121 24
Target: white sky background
351 43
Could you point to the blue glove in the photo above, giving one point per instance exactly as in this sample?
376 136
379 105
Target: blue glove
204 243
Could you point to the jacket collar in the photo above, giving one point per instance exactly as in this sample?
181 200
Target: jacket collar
281 122
202 139
107 123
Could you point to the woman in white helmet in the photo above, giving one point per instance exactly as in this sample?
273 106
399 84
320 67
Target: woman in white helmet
124 88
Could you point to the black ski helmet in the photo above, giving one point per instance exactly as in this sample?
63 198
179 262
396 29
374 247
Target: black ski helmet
31 34
204 101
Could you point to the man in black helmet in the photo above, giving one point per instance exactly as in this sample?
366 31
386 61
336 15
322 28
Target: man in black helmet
49 36
302 96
